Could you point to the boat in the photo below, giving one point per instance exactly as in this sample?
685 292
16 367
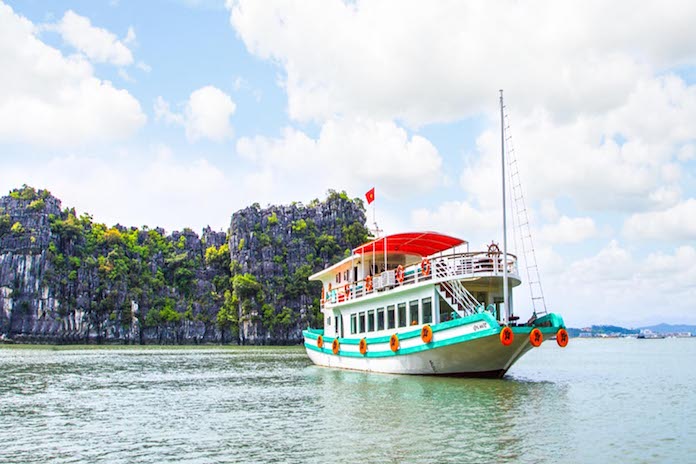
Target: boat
423 303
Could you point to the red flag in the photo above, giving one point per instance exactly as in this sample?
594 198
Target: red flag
370 195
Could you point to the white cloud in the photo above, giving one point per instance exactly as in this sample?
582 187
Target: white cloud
673 273
150 187
440 61
349 154
206 114
611 161
598 119
47 98
239 83
130 37
163 112
123 74
612 263
616 288
143 66
98 44
569 230
461 219
675 223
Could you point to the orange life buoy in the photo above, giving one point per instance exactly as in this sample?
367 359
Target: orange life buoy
320 341
425 266
400 274
535 337
329 286
335 346
562 338
394 343
363 346
346 289
506 336
368 283
427 334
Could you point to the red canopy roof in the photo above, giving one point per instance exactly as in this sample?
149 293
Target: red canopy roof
417 243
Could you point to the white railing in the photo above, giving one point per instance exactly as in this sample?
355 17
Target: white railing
442 268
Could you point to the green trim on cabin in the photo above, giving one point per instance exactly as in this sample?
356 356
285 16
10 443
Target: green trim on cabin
494 330
312 334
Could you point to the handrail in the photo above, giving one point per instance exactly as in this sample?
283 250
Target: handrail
444 267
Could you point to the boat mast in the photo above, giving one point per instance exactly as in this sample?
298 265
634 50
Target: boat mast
506 310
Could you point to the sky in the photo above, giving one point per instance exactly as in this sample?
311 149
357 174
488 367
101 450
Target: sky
177 113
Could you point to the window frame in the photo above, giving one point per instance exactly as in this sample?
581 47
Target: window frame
399 308
391 311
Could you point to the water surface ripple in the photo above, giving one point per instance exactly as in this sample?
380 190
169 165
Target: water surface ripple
620 400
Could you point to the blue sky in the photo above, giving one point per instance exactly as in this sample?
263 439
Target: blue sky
178 113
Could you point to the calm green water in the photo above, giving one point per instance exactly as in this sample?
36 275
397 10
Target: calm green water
595 401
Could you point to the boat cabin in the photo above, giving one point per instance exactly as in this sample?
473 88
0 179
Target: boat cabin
410 279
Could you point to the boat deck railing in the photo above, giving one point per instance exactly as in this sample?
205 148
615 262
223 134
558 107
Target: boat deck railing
436 268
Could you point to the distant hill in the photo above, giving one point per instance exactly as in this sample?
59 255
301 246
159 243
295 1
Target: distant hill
613 329
670 328
603 329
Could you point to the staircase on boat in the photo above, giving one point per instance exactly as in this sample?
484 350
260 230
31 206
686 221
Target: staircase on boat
458 297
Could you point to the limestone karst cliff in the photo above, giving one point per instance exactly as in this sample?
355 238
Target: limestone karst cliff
67 279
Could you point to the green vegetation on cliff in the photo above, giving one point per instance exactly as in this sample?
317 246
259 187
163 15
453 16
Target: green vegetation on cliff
281 246
113 271
92 282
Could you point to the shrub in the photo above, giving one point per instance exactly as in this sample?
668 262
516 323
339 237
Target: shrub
17 228
299 226
273 219
37 205
5 223
24 193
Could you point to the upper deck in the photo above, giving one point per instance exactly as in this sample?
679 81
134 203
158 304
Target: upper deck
402 261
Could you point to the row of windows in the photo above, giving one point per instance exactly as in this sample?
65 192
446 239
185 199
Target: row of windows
400 315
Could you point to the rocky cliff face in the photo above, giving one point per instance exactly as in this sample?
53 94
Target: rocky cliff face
281 246
24 239
66 279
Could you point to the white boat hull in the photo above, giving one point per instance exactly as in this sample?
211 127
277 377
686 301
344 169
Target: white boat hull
468 347
481 357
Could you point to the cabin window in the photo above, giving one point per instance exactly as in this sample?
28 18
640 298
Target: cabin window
402 315
391 317
338 278
413 312
371 320
427 310
353 323
380 318
345 275
328 320
361 322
